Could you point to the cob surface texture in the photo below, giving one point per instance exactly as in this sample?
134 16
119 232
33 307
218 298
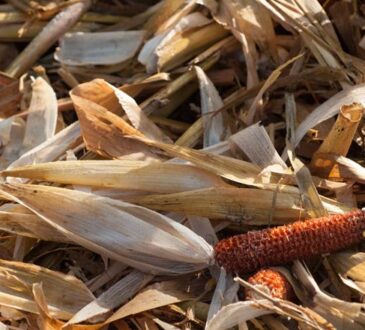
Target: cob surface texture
254 250
274 281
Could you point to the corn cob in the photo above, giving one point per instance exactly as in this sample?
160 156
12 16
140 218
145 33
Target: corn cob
254 250
274 281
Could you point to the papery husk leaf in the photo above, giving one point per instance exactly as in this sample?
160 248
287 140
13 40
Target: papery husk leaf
42 117
59 25
98 48
335 310
190 44
48 322
65 294
304 17
169 7
338 141
234 314
138 119
312 199
131 234
349 169
123 174
113 297
256 144
350 264
203 227
330 108
214 125
51 149
217 301
250 18
154 296
100 92
305 316
12 131
104 138
243 205
150 52
19 220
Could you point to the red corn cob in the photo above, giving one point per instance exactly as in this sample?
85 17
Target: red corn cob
278 285
254 250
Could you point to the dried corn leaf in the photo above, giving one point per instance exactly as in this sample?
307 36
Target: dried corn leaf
351 265
305 316
104 138
214 126
168 9
13 130
131 234
100 92
188 45
338 140
46 320
247 17
138 119
256 144
113 297
65 294
336 310
154 296
250 23
234 314
98 48
310 20
349 169
60 24
124 174
51 149
219 291
312 200
42 117
249 120
20 221
150 52
243 205
330 108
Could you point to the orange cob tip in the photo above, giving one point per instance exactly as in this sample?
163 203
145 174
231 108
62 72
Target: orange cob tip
254 250
276 283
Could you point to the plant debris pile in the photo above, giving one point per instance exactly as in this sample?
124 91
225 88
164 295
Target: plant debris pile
136 135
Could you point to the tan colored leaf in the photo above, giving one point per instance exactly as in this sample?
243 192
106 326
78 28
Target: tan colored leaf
18 220
42 117
131 234
98 48
154 296
338 141
123 174
65 294
243 205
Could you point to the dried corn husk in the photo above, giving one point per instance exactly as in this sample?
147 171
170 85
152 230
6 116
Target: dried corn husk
98 48
338 140
42 117
65 294
97 224
124 174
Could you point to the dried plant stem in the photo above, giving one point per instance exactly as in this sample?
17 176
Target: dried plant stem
59 25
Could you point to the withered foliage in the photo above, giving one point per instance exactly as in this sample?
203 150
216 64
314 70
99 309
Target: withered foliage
135 135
